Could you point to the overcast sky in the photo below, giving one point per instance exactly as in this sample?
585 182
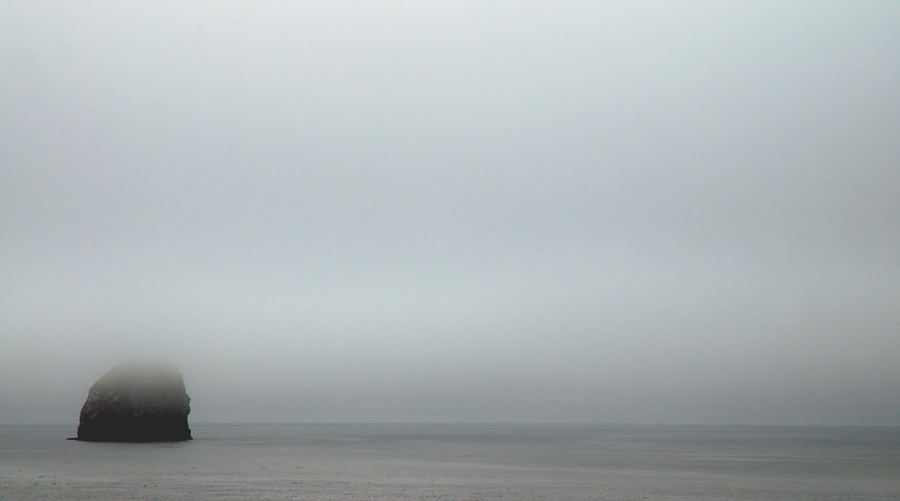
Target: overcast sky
670 212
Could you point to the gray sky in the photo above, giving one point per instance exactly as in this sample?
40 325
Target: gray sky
673 212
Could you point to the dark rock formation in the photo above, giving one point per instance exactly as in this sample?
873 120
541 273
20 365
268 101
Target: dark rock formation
136 402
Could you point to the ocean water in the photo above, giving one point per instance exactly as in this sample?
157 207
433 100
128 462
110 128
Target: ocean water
431 461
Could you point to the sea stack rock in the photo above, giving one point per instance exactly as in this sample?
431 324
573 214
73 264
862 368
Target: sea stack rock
136 402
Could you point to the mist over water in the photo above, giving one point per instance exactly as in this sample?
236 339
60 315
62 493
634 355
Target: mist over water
455 212
458 461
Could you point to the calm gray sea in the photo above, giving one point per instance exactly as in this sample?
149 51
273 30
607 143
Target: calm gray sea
403 461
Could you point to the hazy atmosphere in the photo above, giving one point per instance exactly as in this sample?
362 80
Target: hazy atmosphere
480 212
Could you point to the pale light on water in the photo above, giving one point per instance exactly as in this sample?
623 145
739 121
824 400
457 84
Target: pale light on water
403 461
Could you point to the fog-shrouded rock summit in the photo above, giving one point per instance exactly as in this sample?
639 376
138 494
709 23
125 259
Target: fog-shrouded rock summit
136 402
